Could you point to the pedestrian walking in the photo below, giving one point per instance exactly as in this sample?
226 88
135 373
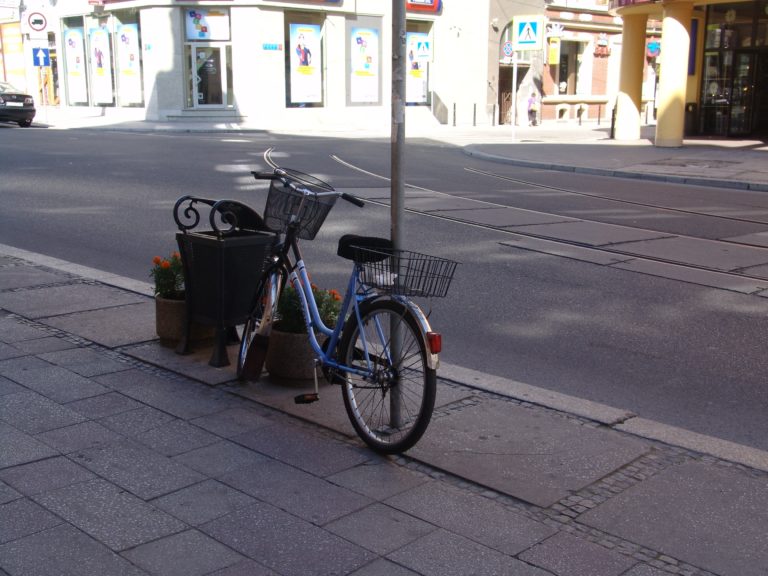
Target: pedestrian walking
533 109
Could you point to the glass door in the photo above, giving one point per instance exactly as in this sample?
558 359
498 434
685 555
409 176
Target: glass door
208 81
715 92
742 94
760 98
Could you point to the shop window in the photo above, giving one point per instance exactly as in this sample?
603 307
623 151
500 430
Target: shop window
128 60
419 54
75 69
100 68
730 26
761 34
364 61
102 60
304 60
569 77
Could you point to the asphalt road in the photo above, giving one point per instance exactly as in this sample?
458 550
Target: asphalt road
679 353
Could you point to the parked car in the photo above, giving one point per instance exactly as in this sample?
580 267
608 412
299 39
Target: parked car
15 106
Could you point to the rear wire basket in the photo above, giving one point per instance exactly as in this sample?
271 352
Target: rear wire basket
404 273
284 202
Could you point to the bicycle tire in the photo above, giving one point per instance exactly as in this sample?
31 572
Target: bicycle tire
253 340
369 404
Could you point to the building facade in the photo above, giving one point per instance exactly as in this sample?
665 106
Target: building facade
272 62
698 66
712 68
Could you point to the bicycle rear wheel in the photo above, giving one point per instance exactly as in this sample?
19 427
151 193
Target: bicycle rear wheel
391 407
254 340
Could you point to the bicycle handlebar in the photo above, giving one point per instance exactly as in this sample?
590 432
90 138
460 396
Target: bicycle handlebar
286 179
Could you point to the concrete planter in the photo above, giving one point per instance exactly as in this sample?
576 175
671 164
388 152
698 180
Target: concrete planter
289 356
169 323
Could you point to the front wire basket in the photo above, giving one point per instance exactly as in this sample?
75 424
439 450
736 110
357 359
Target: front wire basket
283 202
403 272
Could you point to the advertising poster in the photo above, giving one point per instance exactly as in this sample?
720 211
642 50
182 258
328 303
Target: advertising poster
419 53
364 63
207 24
74 52
128 64
101 67
304 52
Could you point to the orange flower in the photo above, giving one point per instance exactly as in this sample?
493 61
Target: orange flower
156 260
175 255
335 295
165 264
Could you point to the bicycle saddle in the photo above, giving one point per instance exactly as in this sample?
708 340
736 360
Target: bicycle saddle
364 248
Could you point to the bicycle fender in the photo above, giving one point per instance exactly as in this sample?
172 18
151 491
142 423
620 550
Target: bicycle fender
433 361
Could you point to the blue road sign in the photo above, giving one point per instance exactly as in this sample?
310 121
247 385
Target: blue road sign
528 33
41 56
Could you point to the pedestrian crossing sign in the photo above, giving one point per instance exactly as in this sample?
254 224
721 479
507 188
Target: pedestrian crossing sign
528 33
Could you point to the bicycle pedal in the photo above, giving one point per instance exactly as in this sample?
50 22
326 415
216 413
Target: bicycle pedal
306 398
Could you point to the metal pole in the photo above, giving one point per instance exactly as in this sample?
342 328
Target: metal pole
398 120
398 178
514 93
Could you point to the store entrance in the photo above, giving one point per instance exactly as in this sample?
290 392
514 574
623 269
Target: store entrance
208 82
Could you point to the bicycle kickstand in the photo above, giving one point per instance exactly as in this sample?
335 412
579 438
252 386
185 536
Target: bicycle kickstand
311 397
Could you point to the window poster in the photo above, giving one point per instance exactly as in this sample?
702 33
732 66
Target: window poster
128 64
74 53
419 53
364 64
305 64
207 24
101 67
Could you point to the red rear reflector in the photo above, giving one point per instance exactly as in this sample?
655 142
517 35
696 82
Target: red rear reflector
435 340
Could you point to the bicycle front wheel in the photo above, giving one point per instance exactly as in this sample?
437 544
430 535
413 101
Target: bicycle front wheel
254 340
391 406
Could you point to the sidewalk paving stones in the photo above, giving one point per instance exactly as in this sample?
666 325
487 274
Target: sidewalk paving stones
566 555
480 519
38 302
32 413
137 469
109 514
111 327
26 276
44 475
537 457
58 384
443 553
285 543
300 493
700 513
203 502
63 550
189 553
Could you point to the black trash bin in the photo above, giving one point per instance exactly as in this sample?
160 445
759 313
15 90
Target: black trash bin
221 267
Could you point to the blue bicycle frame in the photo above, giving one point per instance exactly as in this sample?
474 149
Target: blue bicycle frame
299 279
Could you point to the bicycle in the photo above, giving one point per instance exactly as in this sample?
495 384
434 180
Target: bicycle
382 350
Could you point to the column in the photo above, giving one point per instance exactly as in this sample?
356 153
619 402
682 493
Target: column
673 74
628 101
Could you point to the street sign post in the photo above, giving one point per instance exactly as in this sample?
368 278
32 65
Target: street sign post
41 57
528 33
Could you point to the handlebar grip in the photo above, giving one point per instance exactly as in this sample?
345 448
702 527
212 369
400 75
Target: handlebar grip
265 175
353 199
